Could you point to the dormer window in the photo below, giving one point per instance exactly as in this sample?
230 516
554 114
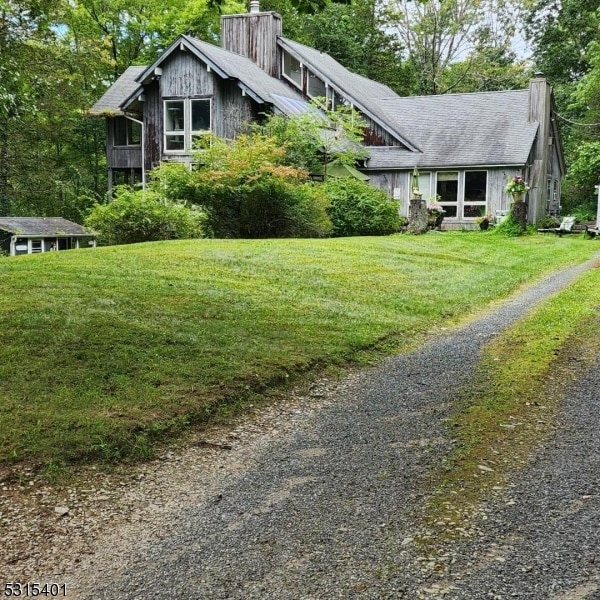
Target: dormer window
185 121
309 83
316 86
292 69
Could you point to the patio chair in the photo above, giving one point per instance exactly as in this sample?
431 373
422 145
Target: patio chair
566 226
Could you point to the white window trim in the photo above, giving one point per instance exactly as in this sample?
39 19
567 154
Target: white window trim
483 203
287 77
187 132
460 196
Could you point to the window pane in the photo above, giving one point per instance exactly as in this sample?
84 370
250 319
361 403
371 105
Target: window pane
451 211
316 87
120 131
339 100
447 187
200 115
292 68
134 133
424 186
36 245
174 115
175 142
475 186
471 211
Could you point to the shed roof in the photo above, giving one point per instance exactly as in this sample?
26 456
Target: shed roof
459 130
124 87
364 93
42 226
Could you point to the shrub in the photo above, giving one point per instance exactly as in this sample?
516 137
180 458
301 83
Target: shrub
585 212
358 208
247 191
547 222
143 216
510 226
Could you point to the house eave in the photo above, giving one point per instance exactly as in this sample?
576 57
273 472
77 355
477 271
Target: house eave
348 94
182 41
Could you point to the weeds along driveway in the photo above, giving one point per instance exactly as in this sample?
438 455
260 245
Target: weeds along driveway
328 509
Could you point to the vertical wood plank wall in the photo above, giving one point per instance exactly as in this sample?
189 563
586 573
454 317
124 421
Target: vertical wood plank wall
255 37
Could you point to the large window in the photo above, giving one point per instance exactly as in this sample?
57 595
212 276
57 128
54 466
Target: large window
185 121
447 190
475 201
126 132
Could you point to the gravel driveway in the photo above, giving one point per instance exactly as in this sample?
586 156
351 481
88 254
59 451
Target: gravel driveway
323 504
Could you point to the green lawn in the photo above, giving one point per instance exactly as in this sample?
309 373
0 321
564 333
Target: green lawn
103 351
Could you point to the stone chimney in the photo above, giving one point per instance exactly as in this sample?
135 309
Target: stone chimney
254 35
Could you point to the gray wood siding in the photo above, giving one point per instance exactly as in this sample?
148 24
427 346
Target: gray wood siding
377 135
125 158
186 77
231 110
121 157
255 37
395 184
398 185
153 124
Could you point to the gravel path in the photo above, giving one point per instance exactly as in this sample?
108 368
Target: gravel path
323 505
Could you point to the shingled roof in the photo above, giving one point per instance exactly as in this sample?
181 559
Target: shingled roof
124 87
458 130
42 226
258 84
450 130
365 94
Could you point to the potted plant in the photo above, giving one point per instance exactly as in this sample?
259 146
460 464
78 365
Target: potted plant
435 213
517 187
484 221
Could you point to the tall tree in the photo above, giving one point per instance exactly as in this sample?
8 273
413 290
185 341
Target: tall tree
560 32
21 23
439 33
355 35
563 35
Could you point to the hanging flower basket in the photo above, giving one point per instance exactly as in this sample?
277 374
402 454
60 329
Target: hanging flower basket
517 188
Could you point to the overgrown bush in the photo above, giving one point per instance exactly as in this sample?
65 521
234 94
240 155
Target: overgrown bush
143 216
509 227
547 222
247 192
358 208
585 212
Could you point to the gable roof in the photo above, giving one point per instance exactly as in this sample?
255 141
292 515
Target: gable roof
42 226
444 131
365 94
124 87
459 130
258 84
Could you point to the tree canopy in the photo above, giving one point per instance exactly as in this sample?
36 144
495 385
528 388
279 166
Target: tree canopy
58 56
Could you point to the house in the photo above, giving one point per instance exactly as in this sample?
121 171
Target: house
466 146
30 235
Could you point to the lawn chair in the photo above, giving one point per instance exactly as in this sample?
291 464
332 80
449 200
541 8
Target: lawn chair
566 226
499 216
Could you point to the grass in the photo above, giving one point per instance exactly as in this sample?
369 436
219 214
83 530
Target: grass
511 405
105 352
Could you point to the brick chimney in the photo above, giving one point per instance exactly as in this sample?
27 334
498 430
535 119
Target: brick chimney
254 35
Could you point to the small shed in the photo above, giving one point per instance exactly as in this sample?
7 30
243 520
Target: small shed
30 235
